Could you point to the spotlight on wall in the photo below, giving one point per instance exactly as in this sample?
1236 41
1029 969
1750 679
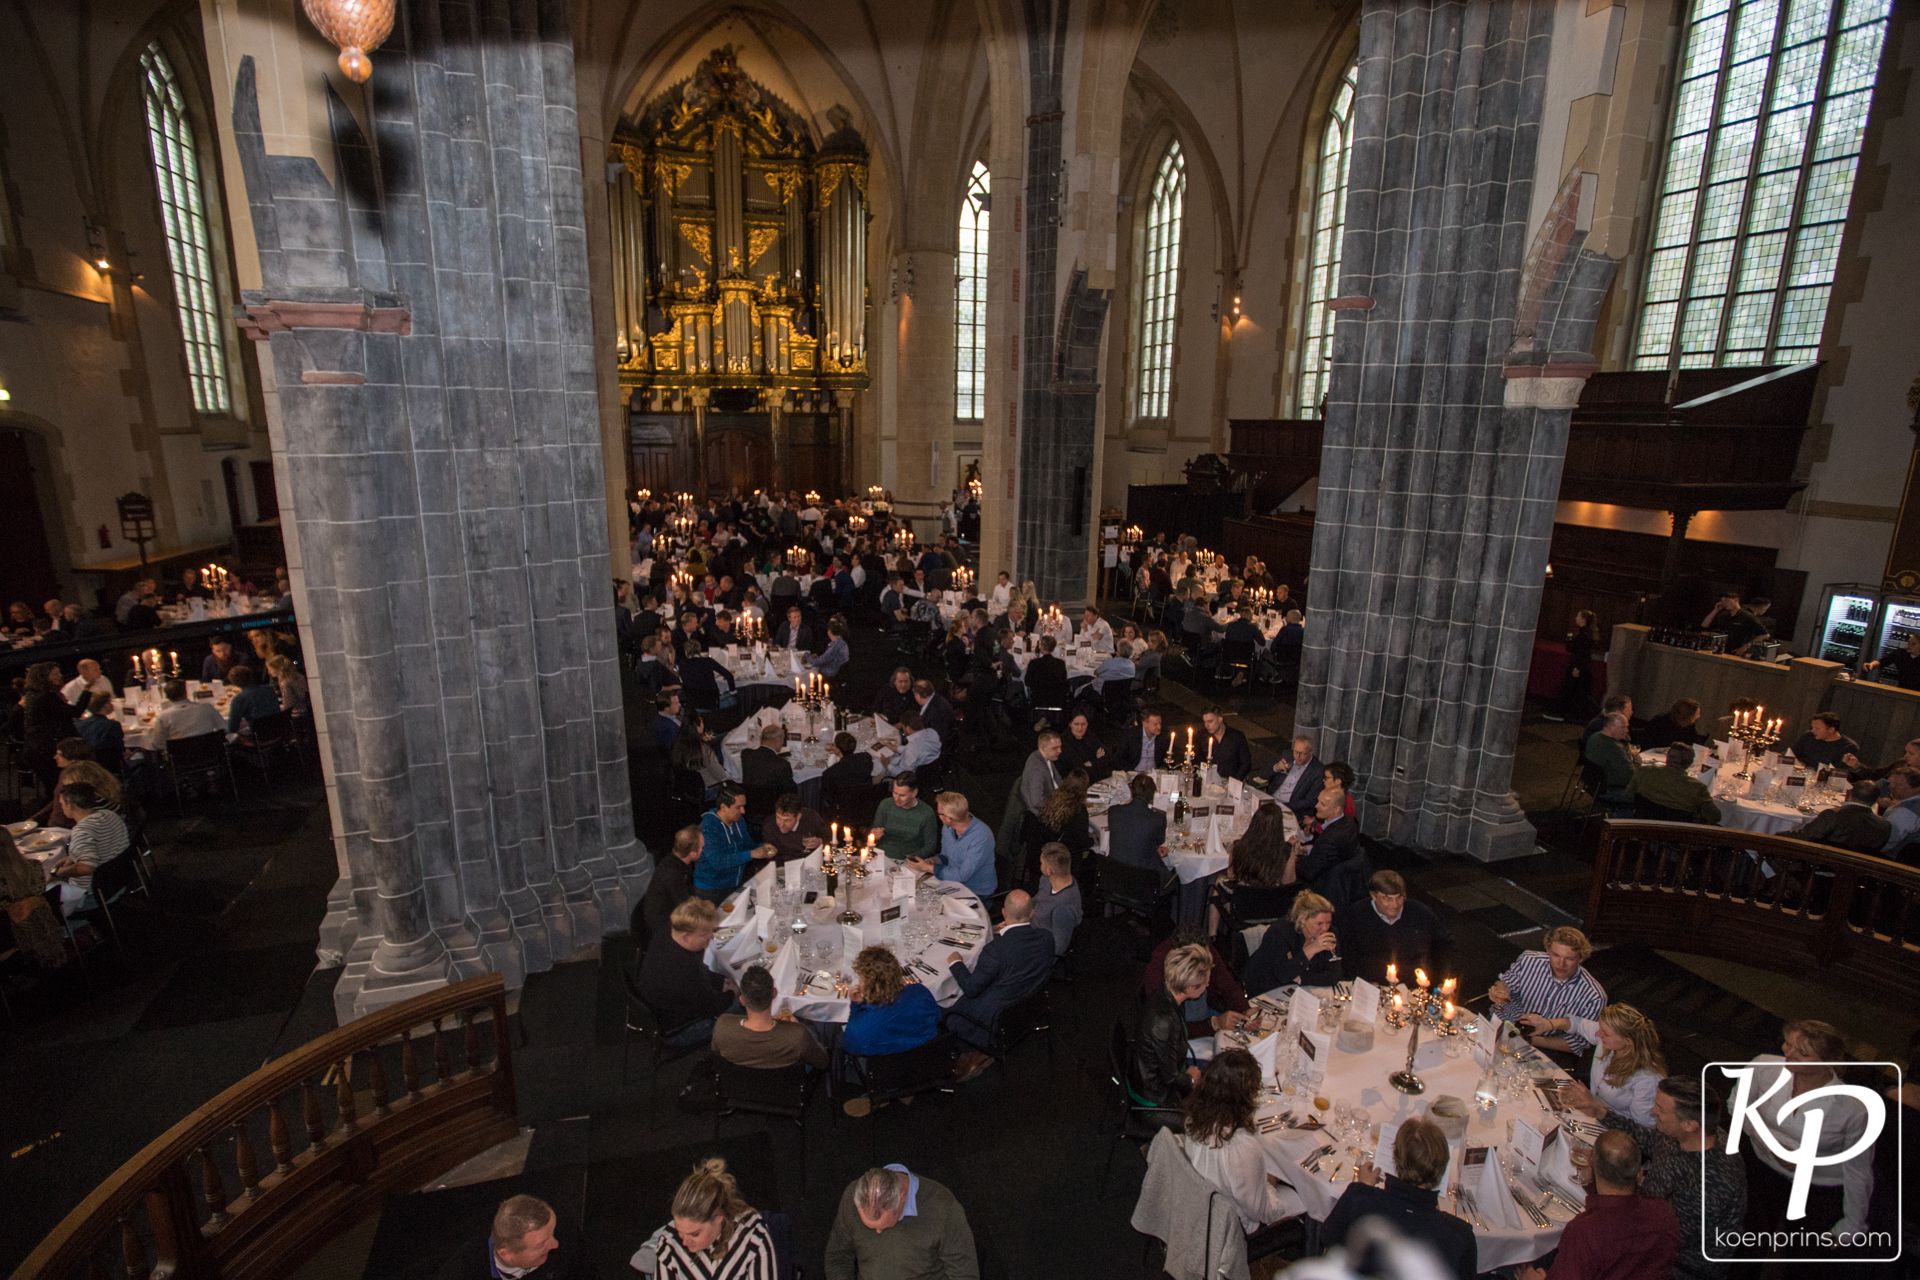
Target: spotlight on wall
5 395
97 246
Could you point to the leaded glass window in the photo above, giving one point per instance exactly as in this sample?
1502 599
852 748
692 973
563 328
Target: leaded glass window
1160 286
1323 254
176 172
970 302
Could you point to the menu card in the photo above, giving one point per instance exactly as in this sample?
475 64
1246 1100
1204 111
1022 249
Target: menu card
1528 1143
1365 1005
1303 1009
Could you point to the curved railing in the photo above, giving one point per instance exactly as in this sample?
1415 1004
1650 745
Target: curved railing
1769 901
226 1195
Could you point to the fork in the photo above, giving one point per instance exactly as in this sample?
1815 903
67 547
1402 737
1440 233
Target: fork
1533 1210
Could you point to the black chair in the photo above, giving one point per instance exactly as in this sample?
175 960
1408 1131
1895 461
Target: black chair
204 756
112 881
268 736
1645 808
1134 1120
1135 891
889 1077
1018 1023
1235 660
782 1092
786 1265
642 1022
1248 905
688 789
1117 703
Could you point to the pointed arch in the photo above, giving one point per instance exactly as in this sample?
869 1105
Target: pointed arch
1158 295
1320 266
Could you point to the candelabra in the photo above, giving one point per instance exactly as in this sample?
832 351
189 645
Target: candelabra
975 489
903 540
1424 1005
962 579
1758 734
811 696
857 523
813 498
843 857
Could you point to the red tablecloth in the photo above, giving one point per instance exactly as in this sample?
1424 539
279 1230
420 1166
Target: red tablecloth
1550 669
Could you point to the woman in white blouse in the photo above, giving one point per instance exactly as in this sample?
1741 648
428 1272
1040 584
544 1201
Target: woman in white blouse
1838 1198
1627 1062
1223 1148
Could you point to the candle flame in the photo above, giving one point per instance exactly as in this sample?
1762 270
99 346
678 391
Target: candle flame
1420 977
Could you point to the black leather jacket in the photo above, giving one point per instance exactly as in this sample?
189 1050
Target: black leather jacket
1157 1069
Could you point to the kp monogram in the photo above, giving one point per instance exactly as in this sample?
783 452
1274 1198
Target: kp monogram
1806 1157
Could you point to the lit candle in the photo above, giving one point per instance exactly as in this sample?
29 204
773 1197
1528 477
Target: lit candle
173 659
1399 1003
1421 979
796 686
836 833
1393 974
1447 1011
136 668
1447 987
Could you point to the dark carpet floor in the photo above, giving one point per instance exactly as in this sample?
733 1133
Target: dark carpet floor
217 977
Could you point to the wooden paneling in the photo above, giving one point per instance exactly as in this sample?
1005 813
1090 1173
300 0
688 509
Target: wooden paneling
1173 509
1285 543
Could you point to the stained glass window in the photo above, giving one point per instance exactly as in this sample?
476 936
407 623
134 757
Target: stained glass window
1160 286
1323 254
176 172
970 302
1767 122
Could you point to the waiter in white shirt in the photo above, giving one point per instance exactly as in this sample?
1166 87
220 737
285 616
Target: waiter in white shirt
89 681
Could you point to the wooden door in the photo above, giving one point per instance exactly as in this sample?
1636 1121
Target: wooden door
26 570
737 459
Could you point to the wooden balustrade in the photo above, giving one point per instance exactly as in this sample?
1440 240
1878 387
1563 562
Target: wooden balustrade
194 1205
1770 901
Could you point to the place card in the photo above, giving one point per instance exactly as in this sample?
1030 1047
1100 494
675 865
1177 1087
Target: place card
1365 1004
1383 1150
1235 787
889 914
1303 1008
1314 1046
1488 1041
1528 1143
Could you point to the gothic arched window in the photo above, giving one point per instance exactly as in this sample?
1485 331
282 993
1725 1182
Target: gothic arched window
1323 251
970 302
183 213
1768 116
1159 286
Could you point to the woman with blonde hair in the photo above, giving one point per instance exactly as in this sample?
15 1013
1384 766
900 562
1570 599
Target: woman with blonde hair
890 1013
291 684
1300 949
1160 1072
714 1235
1627 1062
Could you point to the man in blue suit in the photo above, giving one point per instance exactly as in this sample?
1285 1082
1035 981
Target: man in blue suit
1015 964
1298 778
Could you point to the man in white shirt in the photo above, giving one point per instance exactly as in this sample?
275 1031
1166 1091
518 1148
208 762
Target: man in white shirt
921 748
1095 631
88 682
182 718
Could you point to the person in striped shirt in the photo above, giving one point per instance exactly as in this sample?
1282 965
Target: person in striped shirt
1554 984
98 836
714 1235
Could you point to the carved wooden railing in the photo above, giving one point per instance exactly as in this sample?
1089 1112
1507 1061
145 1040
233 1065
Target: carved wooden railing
227 1194
1769 901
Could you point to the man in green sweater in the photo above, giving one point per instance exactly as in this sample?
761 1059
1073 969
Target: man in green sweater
906 827
896 1225
1672 787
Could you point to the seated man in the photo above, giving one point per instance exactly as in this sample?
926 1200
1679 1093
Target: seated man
921 748
103 732
89 680
255 701
182 717
829 661
1056 900
1115 668
1409 1199
1853 826
1226 748
523 1243
1902 810
1297 777
1613 702
1145 748
759 1038
1387 927
1672 786
674 982
1554 984
1096 632
966 847
1136 831
1823 743
1688 1166
1046 677
794 633
1619 1234
904 824
1015 963
1323 863
1606 751
671 885
896 699
706 677
727 846
795 830
765 772
1909 757
666 721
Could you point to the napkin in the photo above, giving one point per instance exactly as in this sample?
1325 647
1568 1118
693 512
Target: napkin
1266 1052
1491 1197
961 909
745 948
1556 1167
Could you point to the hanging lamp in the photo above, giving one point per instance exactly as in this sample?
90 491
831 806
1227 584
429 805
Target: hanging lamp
357 26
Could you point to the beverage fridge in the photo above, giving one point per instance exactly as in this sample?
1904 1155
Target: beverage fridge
1848 613
1899 618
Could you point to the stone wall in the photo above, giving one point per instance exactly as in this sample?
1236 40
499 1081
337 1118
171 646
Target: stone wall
427 323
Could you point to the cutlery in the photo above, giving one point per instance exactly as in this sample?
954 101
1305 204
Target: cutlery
806 980
1531 1209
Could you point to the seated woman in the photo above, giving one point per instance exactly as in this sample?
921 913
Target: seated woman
1627 1062
1223 1147
1160 1071
1256 861
714 1233
99 836
693 751
1300 949
890 1012
1081 748
1063 818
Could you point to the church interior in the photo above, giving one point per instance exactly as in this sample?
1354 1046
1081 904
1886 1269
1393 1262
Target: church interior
1491 423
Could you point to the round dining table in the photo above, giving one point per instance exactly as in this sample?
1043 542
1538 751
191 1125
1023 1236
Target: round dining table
921 920
1199 849
138 711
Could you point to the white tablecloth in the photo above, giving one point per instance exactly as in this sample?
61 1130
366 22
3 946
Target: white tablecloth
139 728
1201 849
768 666
1741 801
1268 621
1081 663
809 761
1360 1079
748 919
41 844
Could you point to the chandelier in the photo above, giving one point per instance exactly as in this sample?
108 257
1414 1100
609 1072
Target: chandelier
357 26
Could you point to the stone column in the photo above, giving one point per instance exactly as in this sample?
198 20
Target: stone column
427 315
1459 350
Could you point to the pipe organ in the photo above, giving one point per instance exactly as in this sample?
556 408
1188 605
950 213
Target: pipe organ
740 269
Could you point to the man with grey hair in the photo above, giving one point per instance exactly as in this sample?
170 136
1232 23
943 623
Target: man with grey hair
524 1241
1606 754
895 1225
